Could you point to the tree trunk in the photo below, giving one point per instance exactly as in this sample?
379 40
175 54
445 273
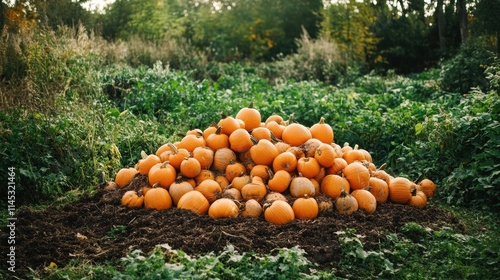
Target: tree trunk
464 26
441 25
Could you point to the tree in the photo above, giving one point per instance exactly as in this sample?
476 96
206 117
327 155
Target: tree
486 20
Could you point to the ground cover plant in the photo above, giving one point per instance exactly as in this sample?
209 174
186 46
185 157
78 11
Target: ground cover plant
410 123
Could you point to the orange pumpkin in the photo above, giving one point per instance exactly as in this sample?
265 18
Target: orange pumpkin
428 187
124 176
205 174
162 173
275 128
157 198
228 124
279 212
305 208
332 185
217 140
190 142
250 116
366 200
338 165
240 140
279 181
190 167
296 134
285 161
400 190
254 190
357 175
234 169
322 131
132 199
147 161
325 155
222 158
379 189
418 199
308 167
210 189
261 133
205 156
223 208
194 201
263 152
177 156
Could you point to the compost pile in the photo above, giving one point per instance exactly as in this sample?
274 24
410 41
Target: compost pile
255 185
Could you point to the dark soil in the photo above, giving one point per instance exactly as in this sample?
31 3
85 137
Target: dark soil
97 228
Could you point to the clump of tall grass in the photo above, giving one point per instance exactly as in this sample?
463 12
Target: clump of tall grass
316 59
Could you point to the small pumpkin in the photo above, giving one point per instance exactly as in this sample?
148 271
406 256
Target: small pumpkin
379 189
254 190
357 175
428 187
217 140
250 116
252 208
157 198
263 152
278 212
191 141
234 169
194 201
240 140
228 124
418 199
338 165
285 161
210 189
346 204
205 156
147 161
295 134
190 167
302 186
223 208
305 208
132 199
162 173
333 184
205 174
279 181
325 155
322 131
400 190
222 158
308 167
124 176
366 200
178 189
177 156
261 133
261 171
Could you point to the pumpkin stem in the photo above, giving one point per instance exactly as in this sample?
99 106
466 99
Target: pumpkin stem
143 154
173 147
274 138
254 140
163 165
322 120
356 147
291 119
223 115
251 105
382 167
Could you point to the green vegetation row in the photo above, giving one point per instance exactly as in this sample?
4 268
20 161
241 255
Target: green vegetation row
416 253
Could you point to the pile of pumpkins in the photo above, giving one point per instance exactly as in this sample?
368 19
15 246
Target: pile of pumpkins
282 170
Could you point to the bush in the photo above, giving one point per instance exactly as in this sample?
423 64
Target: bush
466 69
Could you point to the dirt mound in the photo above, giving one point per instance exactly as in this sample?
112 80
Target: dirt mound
96 228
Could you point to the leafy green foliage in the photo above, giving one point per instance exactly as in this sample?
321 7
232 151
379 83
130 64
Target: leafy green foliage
165 263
